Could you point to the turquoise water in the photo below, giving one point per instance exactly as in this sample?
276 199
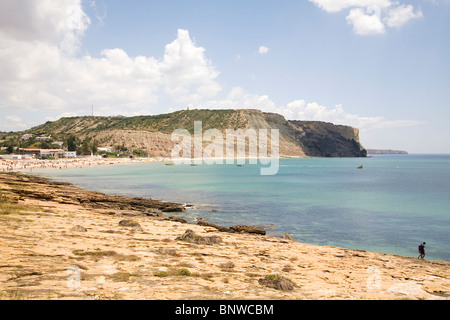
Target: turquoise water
393 204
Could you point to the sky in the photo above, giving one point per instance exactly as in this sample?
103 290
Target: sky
382 66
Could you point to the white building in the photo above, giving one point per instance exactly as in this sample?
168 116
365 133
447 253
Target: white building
49 153
11 157
104 149
58 143
26 136
69 154
43 138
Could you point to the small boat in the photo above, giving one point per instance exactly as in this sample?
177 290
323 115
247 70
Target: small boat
360 167
169 164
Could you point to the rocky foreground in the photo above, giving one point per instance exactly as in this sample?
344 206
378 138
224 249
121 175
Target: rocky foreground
60 242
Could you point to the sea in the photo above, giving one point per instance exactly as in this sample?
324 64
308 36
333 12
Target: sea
390 206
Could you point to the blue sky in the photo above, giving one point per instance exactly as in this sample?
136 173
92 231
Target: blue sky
380 65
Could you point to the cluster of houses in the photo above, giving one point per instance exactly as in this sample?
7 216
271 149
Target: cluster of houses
40 138
58 152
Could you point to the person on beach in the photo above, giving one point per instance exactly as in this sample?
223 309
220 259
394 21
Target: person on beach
421 251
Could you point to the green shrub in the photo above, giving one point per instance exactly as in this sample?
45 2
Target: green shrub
161 274
184 272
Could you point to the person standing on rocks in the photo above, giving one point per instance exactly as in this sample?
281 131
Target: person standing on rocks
421 251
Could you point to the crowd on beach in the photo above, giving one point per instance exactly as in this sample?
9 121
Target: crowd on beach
29 164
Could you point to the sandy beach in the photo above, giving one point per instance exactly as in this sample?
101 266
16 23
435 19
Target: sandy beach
27 165
62 242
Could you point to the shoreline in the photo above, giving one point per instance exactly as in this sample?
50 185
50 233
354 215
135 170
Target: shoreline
52 231
24 167
92 162
29 164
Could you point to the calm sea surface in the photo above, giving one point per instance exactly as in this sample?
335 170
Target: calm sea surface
393 204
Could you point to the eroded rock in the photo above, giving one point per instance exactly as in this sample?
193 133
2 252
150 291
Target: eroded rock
277 282
132 224
192 237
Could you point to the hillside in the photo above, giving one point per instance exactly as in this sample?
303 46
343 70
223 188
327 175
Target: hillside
152 134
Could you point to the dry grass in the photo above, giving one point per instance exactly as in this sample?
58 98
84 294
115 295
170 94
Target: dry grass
227 265
9 206
167 252
100 253
123 276
173 272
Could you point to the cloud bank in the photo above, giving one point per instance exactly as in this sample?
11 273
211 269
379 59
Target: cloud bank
239 98
370 17
44 76
40 68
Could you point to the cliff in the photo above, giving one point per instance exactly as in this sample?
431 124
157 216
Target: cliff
322 139
152 134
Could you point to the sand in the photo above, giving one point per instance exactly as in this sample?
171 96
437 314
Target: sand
58 249
27 165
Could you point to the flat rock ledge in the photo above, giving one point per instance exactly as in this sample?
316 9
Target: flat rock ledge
47 190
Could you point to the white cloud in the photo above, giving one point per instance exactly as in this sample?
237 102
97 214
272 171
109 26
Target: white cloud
301 110
40 70
370 17
187 74
364 24
238 98
339 5
61 23
401 15
263 50
37 76
115 80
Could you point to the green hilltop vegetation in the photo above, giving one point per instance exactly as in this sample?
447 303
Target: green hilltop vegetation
78 133
141 135
165 123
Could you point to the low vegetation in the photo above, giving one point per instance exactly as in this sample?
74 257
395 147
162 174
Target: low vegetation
100 253
277 282
173 272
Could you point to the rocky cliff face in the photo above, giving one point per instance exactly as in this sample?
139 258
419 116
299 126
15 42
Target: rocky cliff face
152 134
322 139
310 138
